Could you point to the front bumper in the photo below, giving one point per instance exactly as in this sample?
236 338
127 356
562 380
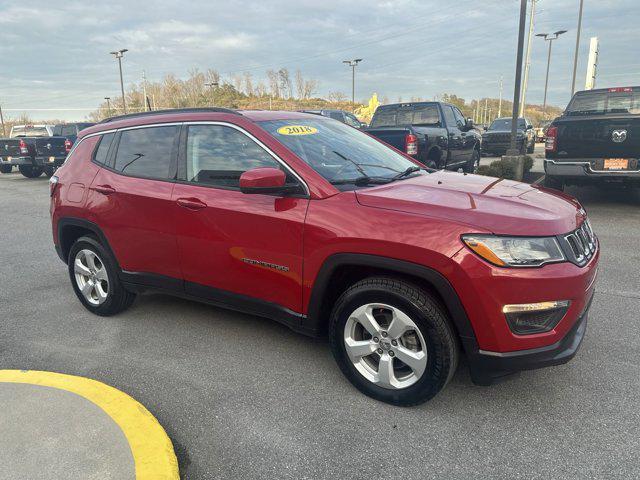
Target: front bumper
499 148
490 367
583 168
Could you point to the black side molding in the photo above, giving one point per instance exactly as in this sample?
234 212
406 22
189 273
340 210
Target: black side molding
65 222
314 321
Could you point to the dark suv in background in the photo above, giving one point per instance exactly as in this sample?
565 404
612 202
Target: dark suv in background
497 138
340 115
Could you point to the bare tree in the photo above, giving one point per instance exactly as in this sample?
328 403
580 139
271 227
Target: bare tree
337 97
299 84
310 87
285 83
248 84
274 87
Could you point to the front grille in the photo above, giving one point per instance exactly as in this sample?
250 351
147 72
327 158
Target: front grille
582 243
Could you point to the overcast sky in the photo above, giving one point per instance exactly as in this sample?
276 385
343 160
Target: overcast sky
55 55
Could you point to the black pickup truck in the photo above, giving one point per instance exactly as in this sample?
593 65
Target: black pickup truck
34 155
434 133
595 140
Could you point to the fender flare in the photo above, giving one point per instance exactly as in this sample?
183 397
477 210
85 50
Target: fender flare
86 224
314 320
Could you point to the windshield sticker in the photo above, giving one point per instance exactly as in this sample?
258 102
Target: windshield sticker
297 130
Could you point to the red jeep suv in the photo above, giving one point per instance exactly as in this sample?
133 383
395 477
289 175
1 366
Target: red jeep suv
312 223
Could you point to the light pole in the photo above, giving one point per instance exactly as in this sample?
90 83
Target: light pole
212 85
119 54
548 38
353 63
575 56
527 62
108 106
513 150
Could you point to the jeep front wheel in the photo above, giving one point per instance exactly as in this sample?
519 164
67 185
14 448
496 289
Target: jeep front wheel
393 341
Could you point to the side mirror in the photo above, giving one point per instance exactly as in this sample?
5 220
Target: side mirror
470 123
265 180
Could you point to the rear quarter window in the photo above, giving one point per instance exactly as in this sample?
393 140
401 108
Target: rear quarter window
100 154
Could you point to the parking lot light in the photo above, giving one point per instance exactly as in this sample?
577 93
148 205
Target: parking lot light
353 64
119 54
548 38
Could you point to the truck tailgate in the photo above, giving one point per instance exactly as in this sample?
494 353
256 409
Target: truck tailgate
593 137
50 147
394 136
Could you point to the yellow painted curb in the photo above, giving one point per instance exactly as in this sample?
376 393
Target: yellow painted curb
152 449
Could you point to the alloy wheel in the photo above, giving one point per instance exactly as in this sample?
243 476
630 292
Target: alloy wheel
385 346
91 276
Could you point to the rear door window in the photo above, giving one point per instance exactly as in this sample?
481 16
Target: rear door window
146 152
336 116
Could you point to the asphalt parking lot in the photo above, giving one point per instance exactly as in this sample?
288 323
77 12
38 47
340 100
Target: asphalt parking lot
243 397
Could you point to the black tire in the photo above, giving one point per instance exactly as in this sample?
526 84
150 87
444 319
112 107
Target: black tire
474 162
555 183
6 168
30 171
118 298
426 313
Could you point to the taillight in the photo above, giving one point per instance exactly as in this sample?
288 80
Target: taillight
551 144
411 144
53 183
24 150
67 145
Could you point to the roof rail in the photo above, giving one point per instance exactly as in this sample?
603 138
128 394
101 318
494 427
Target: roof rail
170 111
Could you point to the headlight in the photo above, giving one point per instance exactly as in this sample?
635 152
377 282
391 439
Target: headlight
515 251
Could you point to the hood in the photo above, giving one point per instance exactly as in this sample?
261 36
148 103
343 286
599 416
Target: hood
503 207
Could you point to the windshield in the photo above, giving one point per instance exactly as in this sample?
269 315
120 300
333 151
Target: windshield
406 115
601 102
505 124
341 154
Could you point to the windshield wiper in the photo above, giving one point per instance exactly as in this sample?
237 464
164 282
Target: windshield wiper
407 172
361 181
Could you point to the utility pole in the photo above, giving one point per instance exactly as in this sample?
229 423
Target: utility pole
500 101
108 106
486 106
119 54
513 150
353 63
527 64
575 56
548 38
4 132
211 85
144 89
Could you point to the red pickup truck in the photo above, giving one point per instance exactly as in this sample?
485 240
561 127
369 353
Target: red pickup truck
310 222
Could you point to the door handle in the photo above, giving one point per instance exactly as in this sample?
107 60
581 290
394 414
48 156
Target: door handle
191 203
104 189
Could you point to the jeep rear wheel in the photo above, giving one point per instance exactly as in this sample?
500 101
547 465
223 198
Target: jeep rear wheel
93 274
30 171
6 168
393 341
